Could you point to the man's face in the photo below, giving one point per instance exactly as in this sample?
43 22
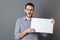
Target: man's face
29 10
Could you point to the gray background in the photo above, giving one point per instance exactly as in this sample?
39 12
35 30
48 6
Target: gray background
11 10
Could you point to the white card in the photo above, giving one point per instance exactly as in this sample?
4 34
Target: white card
42 25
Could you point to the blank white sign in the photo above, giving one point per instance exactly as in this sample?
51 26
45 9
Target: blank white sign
42 25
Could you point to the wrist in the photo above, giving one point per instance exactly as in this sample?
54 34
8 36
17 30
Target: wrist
25 32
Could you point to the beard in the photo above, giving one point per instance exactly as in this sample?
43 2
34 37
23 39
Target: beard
29 15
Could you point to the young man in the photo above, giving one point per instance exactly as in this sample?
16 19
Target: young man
22 29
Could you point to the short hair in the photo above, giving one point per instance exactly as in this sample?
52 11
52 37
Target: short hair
31 4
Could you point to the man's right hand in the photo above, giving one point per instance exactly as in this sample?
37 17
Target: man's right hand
30 30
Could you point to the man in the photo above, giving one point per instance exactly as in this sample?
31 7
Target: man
22 29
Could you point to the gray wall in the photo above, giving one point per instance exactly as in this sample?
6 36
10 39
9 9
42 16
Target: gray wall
11 10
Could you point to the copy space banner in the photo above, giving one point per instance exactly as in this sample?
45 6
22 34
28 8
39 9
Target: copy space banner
42 25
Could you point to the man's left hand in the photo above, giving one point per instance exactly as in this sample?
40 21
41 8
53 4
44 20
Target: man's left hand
52 21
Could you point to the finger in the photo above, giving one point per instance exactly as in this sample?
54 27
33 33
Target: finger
52 21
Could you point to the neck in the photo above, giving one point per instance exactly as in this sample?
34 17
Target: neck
28 18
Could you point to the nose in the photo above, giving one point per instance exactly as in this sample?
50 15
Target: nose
29 11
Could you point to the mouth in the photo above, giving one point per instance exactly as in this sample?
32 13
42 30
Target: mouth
29 13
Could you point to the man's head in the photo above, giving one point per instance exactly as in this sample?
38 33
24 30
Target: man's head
29 10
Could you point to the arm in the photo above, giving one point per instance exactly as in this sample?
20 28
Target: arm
29 30
17 30
22 34
18 34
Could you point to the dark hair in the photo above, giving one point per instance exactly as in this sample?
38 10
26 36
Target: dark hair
31 4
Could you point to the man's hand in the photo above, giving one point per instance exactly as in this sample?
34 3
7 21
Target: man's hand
30 30
52 21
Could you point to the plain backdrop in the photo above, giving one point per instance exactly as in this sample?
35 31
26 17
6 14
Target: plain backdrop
11 10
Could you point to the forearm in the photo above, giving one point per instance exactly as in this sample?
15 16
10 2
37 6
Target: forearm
22 34
29 30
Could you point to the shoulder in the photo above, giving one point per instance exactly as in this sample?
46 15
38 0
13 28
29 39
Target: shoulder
20 19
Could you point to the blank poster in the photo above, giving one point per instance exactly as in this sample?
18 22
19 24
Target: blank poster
42 25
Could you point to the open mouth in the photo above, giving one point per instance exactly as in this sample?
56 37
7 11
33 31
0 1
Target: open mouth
29 13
